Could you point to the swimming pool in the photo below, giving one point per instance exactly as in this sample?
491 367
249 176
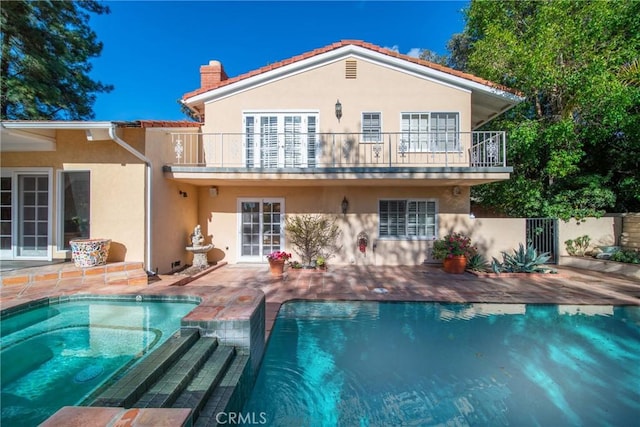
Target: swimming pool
386 363
58 354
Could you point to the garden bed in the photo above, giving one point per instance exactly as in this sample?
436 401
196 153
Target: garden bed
605 266
492 275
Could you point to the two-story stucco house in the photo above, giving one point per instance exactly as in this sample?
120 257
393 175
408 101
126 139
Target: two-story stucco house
384 142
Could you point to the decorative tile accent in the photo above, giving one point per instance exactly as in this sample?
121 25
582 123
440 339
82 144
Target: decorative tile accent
90 252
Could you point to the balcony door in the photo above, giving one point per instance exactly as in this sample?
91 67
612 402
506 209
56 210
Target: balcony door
280 140
261 229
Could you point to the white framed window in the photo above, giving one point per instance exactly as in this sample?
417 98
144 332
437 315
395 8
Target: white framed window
407 218
371 127
430 131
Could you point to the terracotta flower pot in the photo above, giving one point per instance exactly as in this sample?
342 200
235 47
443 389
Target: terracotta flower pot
455 264
276 267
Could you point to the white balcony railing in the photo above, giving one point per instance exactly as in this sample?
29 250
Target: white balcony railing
326 150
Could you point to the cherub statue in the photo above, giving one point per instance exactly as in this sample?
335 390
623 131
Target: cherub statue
196 237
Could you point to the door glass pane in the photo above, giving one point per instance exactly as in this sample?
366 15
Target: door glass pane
5 213
311 141
293 155
33 221
249 140
271 227
76 200
250 229
269 141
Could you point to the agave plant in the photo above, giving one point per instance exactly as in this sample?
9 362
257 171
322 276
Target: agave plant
522 261
477 263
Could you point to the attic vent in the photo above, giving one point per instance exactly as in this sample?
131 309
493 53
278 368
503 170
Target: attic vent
351 69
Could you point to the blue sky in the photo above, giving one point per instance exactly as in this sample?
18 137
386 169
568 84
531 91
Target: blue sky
153 50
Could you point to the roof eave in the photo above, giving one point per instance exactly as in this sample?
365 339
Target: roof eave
340 53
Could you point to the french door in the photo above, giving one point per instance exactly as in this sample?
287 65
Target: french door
6 215
261 228
280 140
25 215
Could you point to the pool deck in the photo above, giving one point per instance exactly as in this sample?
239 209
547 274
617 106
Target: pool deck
400 283
238 283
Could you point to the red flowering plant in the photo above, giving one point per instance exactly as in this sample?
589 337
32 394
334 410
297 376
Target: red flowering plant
278 256
454 244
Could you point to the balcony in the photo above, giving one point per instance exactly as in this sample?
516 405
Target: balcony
312 156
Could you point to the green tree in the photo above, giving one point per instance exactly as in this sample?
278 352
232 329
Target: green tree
575 143
44 70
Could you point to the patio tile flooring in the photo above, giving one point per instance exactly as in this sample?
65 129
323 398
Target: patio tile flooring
426 283
400 283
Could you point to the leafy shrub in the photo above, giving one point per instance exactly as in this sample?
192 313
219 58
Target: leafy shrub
477 263
631 257
313 236
579 246
522 261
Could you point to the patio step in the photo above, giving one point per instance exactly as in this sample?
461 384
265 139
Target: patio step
130 388
168 387
113 273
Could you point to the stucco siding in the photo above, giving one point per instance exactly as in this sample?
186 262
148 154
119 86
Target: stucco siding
222 223
117 188
376 88
173 207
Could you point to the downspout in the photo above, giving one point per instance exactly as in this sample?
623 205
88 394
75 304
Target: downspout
147 218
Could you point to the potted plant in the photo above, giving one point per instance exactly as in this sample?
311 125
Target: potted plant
453 249
277 260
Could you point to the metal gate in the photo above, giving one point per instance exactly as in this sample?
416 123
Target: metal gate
542 233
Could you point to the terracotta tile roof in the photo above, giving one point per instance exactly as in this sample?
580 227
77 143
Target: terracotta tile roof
167 124
359 43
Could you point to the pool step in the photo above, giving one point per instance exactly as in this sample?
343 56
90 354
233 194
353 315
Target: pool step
198 392
166 390
130 388
226 396
187 371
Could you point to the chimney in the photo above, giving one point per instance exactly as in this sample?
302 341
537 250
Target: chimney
212 74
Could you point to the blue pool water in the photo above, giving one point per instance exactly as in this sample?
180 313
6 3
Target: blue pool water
421 364
59 354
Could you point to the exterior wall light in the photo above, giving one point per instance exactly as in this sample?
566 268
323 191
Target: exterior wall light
338 110
345 205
